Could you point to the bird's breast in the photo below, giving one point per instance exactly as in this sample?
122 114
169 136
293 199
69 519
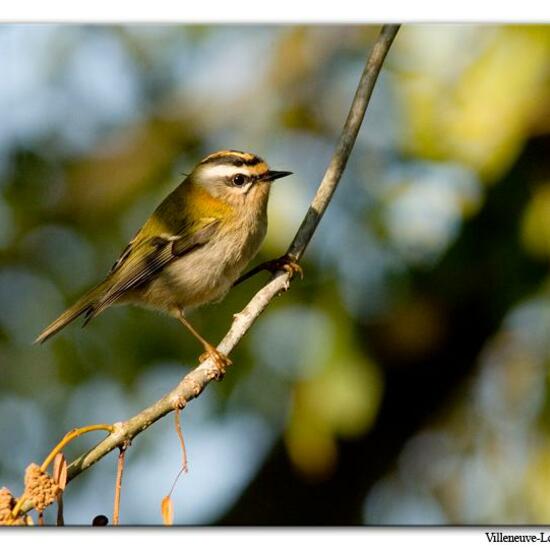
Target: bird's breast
207 274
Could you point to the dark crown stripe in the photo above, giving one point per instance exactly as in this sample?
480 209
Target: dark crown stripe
233 158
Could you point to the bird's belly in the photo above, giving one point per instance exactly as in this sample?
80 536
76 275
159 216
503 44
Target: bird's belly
202 276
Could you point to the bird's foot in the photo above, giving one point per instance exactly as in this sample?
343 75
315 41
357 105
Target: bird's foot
285 263
220 359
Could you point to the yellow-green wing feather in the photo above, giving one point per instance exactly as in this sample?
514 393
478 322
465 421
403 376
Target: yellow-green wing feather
141 259
148 256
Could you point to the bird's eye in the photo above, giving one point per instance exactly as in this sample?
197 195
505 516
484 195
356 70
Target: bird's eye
239 179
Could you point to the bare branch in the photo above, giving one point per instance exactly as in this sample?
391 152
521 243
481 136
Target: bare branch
118 484
194 383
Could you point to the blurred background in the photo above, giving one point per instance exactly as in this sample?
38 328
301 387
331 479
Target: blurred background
404 381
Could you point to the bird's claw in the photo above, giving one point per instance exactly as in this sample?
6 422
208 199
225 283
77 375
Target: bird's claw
220 359
286 263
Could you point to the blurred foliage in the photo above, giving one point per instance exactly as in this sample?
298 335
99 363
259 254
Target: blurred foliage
480 109
405 380
536 222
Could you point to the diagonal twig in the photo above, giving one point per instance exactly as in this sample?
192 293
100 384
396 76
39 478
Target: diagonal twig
195 382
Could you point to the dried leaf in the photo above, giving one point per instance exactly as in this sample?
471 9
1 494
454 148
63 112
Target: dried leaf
60 471
167 510
60 477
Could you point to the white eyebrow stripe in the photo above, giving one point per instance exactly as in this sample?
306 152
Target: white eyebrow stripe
224 171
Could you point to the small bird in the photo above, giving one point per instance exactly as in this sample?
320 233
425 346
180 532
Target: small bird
194 246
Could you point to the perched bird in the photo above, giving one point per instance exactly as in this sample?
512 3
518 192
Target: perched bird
194 246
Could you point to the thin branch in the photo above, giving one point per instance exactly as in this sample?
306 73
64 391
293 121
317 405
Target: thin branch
177 421
192 385
118 484
345 143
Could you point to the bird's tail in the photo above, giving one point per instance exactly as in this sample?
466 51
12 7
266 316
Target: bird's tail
85 306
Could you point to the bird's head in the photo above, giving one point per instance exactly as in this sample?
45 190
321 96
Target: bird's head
241 180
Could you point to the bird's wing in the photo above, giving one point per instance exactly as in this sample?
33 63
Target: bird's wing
144 257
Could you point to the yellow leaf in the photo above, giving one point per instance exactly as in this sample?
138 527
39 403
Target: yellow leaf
310 443
537 486
535 227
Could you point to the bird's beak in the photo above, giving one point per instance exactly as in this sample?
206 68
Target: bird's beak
273 175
